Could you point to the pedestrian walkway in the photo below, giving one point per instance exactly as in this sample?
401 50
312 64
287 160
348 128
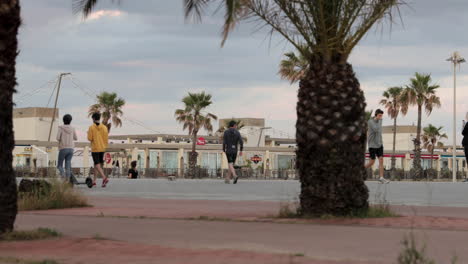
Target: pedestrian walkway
184 231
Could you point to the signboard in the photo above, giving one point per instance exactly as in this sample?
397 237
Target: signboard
107 158
27 149
201 141
256 159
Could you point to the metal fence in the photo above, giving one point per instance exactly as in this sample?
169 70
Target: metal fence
153 173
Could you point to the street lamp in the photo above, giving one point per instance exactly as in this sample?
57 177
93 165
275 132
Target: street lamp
456 59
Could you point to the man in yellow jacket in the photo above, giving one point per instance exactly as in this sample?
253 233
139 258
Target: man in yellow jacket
98 136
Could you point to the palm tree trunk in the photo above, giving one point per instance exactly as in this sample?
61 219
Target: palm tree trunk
193 156
432 154
394 143
331 135
418 174
11 20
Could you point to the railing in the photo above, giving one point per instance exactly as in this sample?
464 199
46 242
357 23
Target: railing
153 173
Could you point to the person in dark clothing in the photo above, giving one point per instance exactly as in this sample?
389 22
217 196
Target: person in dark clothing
465 141
133 172
232 140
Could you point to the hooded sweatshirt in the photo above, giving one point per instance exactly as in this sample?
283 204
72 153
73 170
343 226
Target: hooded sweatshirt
98 136
66 136
232 138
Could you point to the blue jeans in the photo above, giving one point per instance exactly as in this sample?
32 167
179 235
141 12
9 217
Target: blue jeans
67 155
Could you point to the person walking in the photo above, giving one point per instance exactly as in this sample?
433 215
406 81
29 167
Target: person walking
232 139
66 137
98 136
375 143
465 140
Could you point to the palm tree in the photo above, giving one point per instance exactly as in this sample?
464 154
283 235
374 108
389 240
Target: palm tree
193 119
393 104
432 137
330 110
294 67
11 20
368 114
111 108
421 93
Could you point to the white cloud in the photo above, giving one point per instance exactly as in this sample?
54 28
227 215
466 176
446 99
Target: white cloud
104 13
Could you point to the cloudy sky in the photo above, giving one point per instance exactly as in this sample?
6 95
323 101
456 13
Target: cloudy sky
148 54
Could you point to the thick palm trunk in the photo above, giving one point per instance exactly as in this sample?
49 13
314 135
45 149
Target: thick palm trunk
394 143
193 156
10 17
331 135
418 173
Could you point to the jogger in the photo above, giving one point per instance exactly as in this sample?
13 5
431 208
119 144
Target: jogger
231 140
375 143
98 136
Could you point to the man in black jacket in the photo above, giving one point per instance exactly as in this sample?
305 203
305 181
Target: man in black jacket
465 141
232 138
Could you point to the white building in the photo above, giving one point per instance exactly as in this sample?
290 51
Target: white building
33 124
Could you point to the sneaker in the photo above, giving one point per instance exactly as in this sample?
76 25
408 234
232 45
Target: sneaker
235 180
94 183
383 180
104 182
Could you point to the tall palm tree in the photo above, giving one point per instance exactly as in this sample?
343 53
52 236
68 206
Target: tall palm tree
194 119
294 67
330 110
422 93
432 137
110 107
393 104
11 20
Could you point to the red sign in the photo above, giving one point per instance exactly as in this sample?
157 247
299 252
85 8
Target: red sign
256 159
107 158
201 141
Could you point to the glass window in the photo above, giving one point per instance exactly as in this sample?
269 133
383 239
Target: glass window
169 160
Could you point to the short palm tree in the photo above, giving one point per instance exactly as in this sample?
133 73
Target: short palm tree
11 20
194 119
225 126
110 106
330 109
431 138
393 103
422 93
294 67
368 114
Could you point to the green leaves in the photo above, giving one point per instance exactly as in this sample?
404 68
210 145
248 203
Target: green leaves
192 117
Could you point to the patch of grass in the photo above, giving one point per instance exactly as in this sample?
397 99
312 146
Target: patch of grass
61 195
288 211
412 254
376 211
21 261
38 234
298 255
99 237
210 218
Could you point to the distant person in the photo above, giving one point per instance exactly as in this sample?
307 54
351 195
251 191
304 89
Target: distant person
98 136
375 143
66 137
133 172
231 140
115 168
465 140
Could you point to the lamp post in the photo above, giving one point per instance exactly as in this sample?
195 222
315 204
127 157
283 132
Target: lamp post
456 59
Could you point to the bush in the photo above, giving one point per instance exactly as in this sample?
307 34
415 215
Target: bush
59 195
40 233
